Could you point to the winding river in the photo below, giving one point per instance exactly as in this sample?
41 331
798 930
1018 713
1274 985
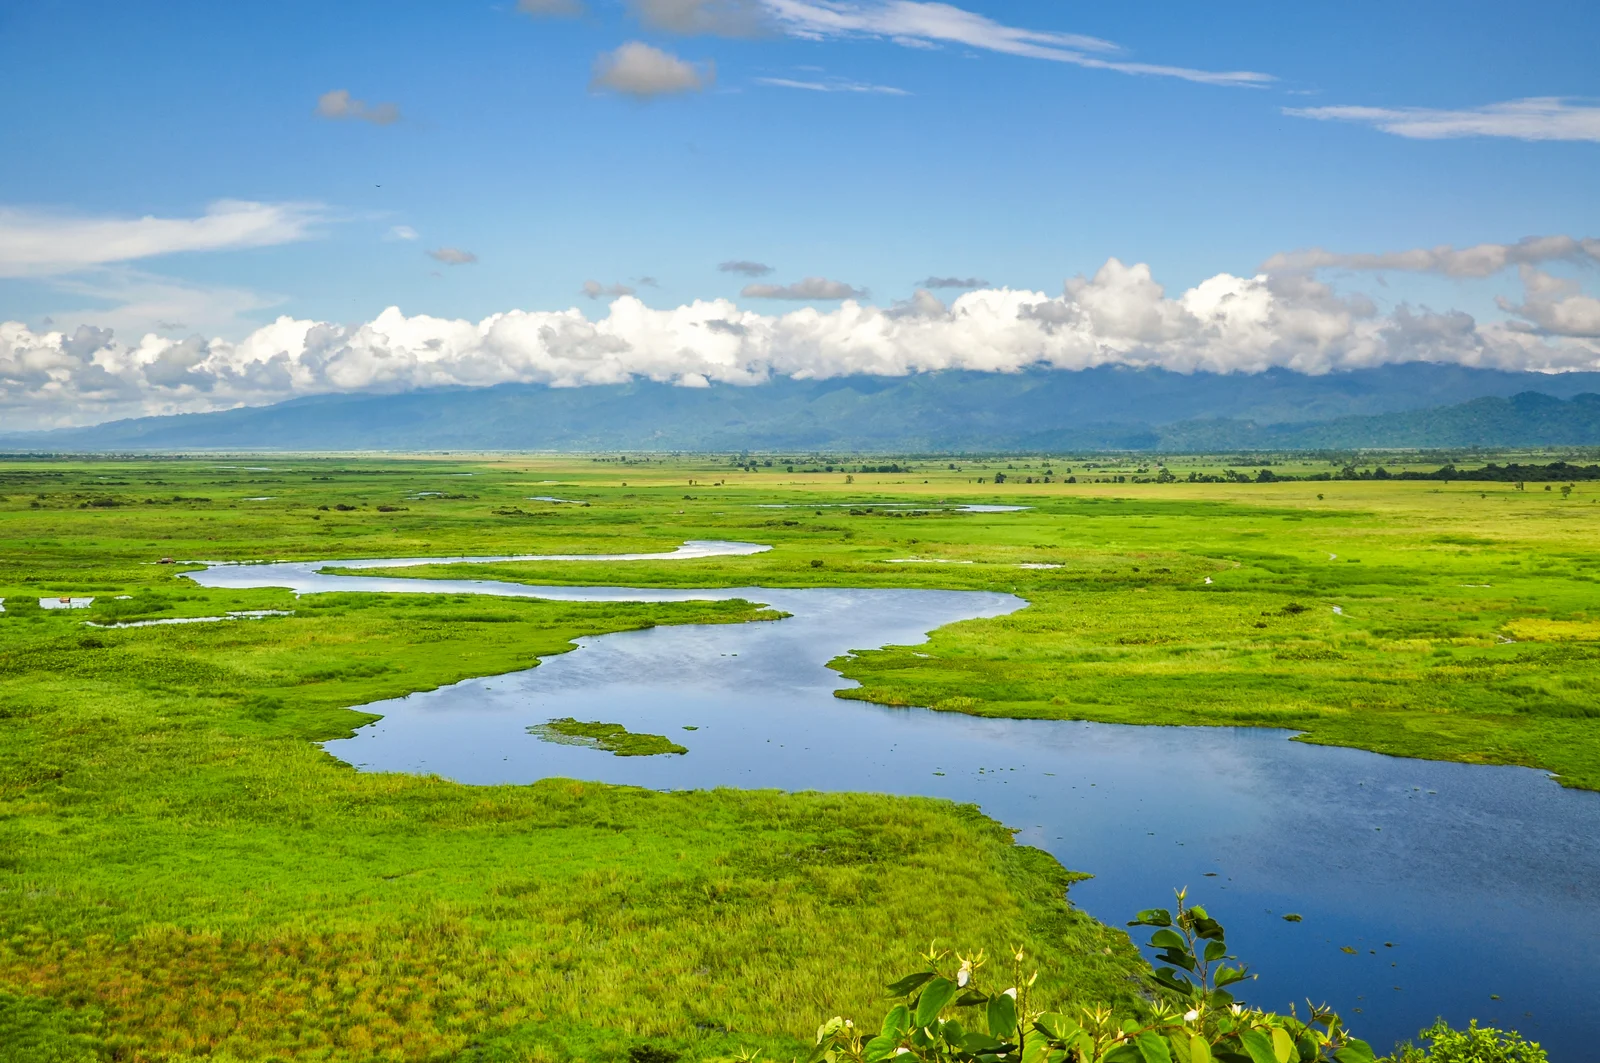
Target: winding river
1423 888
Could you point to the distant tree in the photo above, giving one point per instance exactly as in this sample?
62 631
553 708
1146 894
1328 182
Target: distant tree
999 477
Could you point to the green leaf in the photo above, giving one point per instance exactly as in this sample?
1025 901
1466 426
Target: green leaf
1167 938
1227 976
1056 1026
880 1047
1199 1050
1184 959
909 983
1215 950
1258 1046
1002 1017
1355 1050
897 1022
938 992
977 1042
1283 1045
1152 917
1153 1048
971 997
1122 1053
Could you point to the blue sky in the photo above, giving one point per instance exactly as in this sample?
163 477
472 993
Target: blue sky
933 153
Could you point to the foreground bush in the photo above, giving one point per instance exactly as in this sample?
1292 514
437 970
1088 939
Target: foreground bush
1472 1045
950 1014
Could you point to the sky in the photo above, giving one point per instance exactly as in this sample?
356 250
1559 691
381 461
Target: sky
208 205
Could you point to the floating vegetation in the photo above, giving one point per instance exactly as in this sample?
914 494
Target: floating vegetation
611 737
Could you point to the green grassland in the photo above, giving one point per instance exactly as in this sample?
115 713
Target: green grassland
183 873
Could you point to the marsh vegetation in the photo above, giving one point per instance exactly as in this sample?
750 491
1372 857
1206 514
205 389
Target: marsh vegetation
184 873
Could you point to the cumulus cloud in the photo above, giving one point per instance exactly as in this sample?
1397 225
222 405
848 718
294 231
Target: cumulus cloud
1535 118
595 290
36 244
720 18
551 8
452 256
638 70
1119 316
746 267
921 25
339 105
809 288
1555 306
833 85
1480 260
952 282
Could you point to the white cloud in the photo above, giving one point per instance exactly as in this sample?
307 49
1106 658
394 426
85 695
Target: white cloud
594 289
1535 118
833 85
452 256
952 282
1480 260
913 24
1120 316
746 267
36 244
638 70
1555 306
339 105
402 232
809 288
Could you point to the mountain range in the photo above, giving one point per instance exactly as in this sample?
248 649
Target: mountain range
1417 405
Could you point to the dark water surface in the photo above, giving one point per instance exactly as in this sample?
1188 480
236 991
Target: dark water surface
1451 882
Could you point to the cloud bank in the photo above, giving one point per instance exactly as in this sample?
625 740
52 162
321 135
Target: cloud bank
1119 316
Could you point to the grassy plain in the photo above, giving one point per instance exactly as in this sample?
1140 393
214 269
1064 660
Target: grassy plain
184 873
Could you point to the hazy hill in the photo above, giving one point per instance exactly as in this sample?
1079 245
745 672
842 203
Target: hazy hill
1400 406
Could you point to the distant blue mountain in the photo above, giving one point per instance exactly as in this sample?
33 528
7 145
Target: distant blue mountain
1415 405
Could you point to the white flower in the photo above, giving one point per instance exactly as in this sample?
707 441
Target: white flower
964 975
901 1051
1237 1009
1191 1015
1012 992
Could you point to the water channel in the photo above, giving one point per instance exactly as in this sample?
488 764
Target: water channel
1423 888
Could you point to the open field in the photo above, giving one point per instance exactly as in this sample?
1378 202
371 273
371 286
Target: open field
183 872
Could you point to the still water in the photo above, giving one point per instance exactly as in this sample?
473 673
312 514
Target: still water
1452 883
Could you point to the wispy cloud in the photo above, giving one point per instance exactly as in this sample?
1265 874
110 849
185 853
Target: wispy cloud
38 243
638 70
809 288
595 290
952 282
551 8
402 232
1534 118
1480 260
452 256
833 85
719 18
913 24
339 105
746 267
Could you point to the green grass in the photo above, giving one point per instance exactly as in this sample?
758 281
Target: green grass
611 737
184 873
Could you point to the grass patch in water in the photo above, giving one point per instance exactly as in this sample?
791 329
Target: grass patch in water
611 737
